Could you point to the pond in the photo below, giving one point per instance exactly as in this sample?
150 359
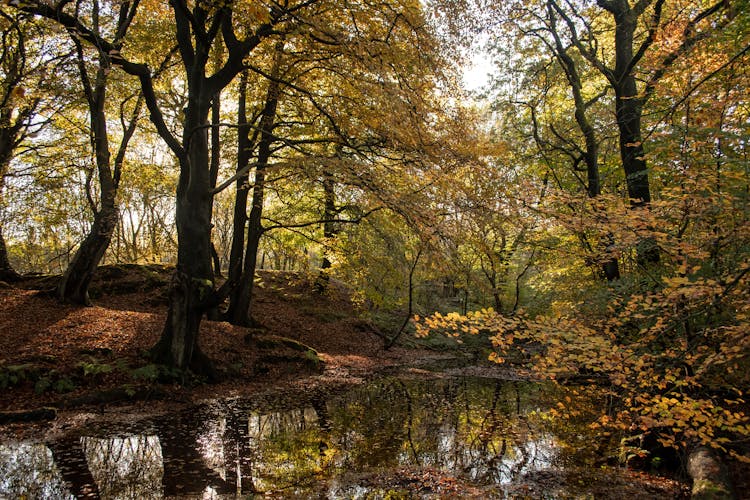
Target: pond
392 438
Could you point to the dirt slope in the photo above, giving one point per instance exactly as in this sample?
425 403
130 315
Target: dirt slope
53 354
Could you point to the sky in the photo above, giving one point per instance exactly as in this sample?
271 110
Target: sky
477 70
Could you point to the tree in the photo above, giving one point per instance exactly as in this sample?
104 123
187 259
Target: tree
238 312
552 134
630 47
75 281
18 104
197 29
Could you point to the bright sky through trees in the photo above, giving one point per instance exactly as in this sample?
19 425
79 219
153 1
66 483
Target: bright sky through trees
477 70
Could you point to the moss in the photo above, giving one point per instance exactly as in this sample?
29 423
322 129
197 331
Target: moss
274 342
706 489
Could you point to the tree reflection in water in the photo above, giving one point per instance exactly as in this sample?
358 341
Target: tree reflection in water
125 467
485 431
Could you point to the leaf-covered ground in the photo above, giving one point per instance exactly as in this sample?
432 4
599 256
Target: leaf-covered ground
53 354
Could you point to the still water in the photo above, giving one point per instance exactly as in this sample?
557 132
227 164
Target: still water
451 435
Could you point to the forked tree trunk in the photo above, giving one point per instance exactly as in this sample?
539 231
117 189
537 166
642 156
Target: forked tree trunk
193 292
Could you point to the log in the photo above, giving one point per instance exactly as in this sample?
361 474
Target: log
116 395
35 415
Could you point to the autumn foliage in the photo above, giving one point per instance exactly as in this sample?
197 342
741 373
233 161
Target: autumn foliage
671 347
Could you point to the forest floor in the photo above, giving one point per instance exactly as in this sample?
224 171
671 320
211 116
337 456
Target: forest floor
68 356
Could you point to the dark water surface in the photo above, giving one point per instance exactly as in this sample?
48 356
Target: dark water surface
479 436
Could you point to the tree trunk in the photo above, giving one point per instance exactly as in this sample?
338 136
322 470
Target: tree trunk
497 299
178 345
628 112
213 174
610 268
214 166
8 140
410 305
329 230
74 286
236 254
239 303
192 289
709 475
239 308
7 273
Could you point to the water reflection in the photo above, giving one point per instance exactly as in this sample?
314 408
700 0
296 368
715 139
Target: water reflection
125 467
484 431
28 470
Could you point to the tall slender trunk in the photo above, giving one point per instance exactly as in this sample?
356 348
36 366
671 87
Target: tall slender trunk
239 221
610 268
329 229
628 112
214 167
213 175
239 304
